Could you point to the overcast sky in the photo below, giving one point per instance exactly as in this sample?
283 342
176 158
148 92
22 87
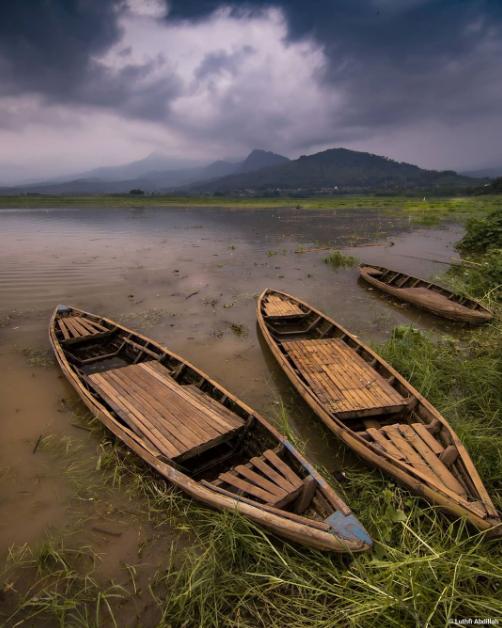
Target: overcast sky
85 83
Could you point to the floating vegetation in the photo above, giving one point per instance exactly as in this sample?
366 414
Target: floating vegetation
148 318
336 259
239 329
39 357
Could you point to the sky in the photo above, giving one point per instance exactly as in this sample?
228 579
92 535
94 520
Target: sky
87 83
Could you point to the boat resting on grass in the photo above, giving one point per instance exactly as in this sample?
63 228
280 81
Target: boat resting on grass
197 435
373 409
426 295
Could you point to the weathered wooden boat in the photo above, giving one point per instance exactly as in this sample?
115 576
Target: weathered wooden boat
425 294
372 408
197 435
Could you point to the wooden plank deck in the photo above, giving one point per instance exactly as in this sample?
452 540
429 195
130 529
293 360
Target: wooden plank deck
415 445
78 326
267 478
180 422
276 305
343 381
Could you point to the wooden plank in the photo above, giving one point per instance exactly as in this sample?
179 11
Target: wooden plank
131 417
411 456
305 498
277 306
71 327
213 404
426 436
320 525
432 460
271 473
347 373
88 325
389 447
216 417
171 430
174 409
97 325
259 480
282 467
80 328
128 412
62 327
247 487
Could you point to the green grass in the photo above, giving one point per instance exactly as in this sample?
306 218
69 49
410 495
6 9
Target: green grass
426 211
336 259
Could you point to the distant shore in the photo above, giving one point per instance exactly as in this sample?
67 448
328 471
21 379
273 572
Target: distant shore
422 210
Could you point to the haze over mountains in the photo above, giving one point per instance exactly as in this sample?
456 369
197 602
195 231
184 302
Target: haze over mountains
260 173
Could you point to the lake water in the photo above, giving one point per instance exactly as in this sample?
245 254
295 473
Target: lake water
184 277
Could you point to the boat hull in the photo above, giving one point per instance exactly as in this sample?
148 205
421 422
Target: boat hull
429 299
447 501
300 531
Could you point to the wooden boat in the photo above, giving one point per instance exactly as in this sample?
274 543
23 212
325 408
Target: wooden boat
372 408
197 435
426 295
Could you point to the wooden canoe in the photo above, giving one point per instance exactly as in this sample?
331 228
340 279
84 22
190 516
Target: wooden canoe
197 435
372 408
426 295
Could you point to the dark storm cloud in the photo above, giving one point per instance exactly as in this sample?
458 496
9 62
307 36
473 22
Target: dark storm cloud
51 47
395 60
386 66
47 46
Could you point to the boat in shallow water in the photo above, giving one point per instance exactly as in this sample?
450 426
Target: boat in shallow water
373 409
425 295
197 435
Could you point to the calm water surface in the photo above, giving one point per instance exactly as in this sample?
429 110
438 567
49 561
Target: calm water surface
184 277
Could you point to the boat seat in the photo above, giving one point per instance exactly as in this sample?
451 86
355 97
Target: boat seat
177 421
417 447
266 478
78 327
343 381
276 305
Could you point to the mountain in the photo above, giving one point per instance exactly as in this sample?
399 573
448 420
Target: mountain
258 159
154 162
336 169
485 173
148 174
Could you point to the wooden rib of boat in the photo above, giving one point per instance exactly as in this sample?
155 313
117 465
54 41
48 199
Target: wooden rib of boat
372 408
426 295
197 435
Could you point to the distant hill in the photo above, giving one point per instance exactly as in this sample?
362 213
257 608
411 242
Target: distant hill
258 159
146 174
336 169
484 173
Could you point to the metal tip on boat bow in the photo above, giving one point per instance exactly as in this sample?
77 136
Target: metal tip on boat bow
349 528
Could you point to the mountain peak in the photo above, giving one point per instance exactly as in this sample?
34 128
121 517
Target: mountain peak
259 158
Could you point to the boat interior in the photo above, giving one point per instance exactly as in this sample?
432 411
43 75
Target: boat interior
399 280
360 392
185 419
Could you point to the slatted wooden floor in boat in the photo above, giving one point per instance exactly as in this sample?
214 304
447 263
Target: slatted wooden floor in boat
344 382
77 326
266 478
417 447
276 306
177 421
